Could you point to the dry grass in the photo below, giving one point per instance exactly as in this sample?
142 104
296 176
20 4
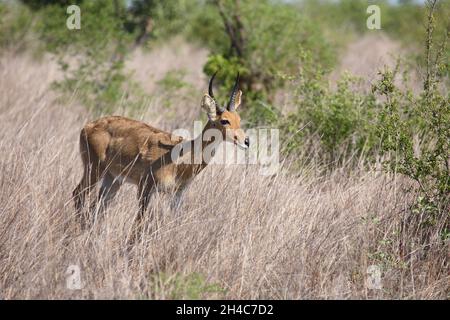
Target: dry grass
149 67
281 237
368 55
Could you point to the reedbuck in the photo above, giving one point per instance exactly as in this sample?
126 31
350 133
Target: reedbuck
117 149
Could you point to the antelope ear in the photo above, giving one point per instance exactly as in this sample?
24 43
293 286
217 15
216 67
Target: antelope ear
237 102
209 106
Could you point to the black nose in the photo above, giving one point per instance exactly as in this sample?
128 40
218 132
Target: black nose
247 141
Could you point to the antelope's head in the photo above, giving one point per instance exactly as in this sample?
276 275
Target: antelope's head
226 119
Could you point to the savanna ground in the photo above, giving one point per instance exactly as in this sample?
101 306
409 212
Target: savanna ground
302 233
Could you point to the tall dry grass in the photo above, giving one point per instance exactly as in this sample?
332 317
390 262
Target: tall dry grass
248 236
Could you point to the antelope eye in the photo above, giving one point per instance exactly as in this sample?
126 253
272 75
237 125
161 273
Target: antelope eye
224 122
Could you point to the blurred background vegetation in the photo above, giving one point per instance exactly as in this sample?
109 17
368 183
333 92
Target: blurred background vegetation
279 47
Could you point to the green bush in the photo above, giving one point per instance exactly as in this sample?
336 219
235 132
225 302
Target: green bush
92 57
426 117
342 120
350 122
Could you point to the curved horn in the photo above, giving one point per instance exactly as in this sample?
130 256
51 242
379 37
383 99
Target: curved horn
230 106
211 94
